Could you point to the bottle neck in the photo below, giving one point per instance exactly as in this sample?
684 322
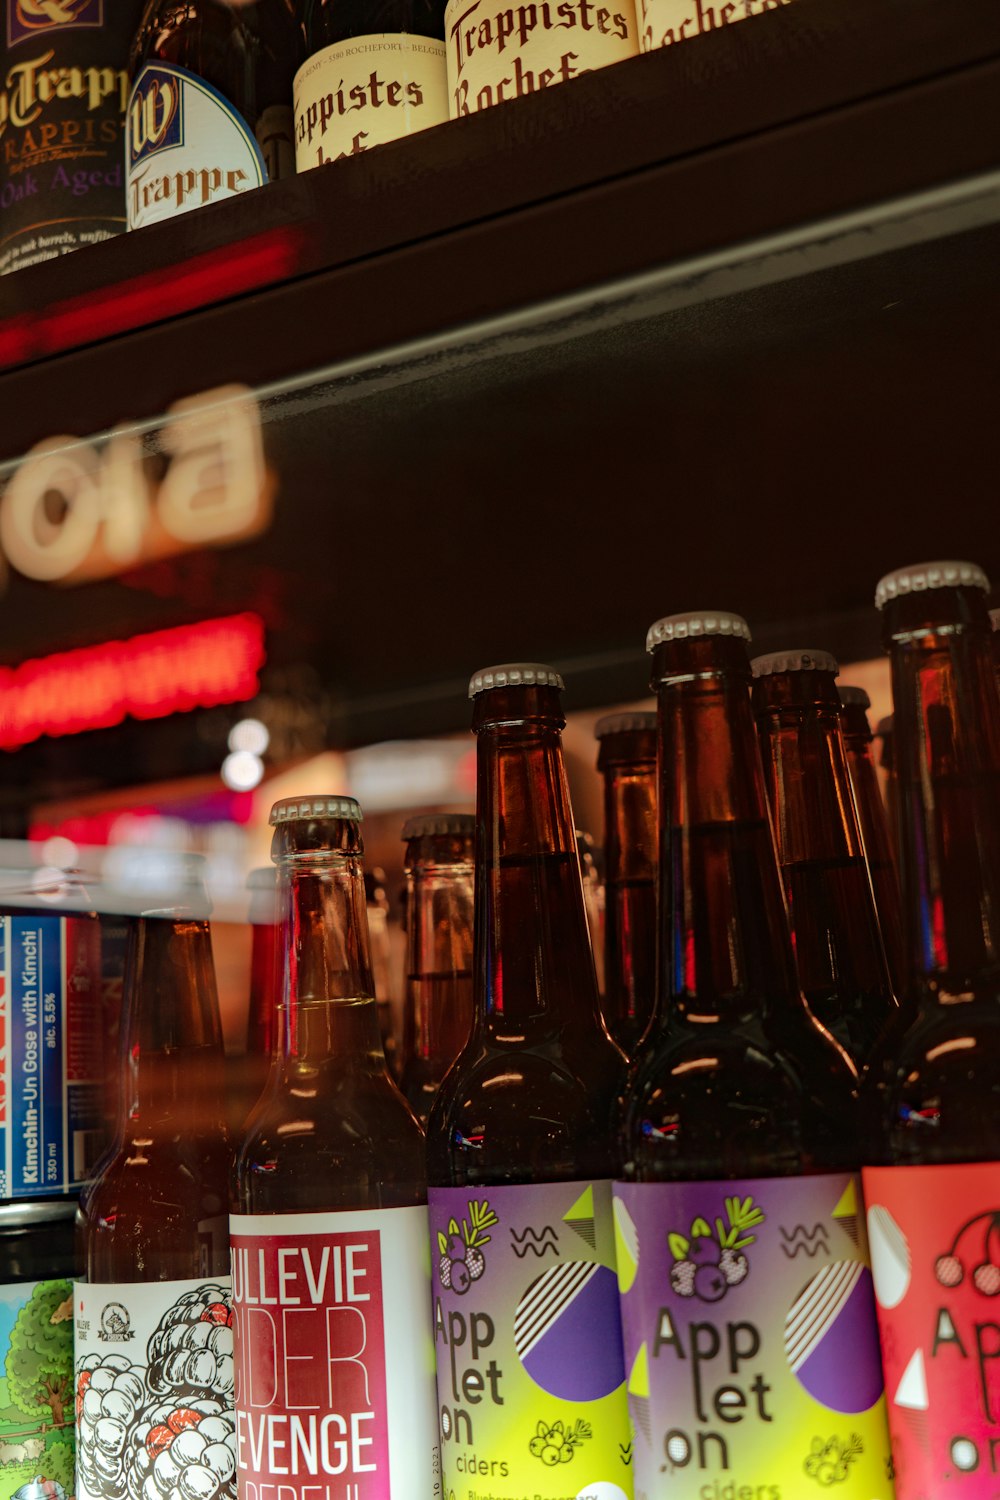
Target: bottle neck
629 896
534 968
947 775
724 951
439 952
262 1012
328 1010
172 1060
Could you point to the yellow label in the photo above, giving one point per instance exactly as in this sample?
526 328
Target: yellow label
498 52
366 91
664 22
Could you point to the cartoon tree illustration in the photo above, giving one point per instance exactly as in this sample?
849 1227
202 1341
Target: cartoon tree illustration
40 1357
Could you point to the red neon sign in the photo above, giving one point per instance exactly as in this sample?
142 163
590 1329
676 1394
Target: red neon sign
146 676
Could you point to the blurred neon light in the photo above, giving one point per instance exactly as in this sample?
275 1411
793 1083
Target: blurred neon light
146 677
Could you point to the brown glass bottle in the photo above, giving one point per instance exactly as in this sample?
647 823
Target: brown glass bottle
995 626
235 135
439 867
249 1071
936 1085
627 760
874 825
831 906
531 1094
329 1188
736 1078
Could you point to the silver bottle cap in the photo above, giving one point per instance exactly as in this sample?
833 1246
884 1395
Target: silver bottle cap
426 825
694 624
933 575
514 674
305 809
624 723
794 661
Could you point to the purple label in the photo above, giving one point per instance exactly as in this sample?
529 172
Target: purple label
31 18
751 1343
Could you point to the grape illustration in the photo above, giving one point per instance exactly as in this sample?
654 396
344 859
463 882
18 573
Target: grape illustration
461 1260
110 1392
709 1283
704 1251
557 1444
706 1265
682 1274
475 1262
191 1349
734 1266
460 1278
444 1270
183 1450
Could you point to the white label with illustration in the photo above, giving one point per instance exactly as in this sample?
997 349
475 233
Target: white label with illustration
36 1389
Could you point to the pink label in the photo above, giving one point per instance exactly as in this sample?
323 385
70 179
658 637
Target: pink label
935 1247
311 1309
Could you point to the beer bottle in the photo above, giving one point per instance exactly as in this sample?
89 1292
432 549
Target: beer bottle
374 70
328 1225
627 760
520 1146
874 827
380 948
210 103
154 1366
741 1254
439 889
838 944
593 898
933 1126
883 733
250 1070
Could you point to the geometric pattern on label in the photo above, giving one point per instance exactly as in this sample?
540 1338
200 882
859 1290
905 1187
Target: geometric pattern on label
831 1340
567 1331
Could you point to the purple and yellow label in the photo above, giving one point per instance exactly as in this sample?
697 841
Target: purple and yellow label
935 1242
531 1381
751 1343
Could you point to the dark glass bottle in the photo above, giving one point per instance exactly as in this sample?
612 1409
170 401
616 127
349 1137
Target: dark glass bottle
520 1140
380 948
627 760
153 1322
874 825
249 1071
330 1174
831 905
374 70
995 625
592 876
886 760
439 866
932 1099
188 144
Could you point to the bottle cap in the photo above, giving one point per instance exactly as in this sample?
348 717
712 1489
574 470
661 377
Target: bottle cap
794 661
514 674
933 575
696 623
263 878
427 824
304 809
854 697
624 723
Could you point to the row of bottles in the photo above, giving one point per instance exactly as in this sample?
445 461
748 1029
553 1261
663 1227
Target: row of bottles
220 96
652 1279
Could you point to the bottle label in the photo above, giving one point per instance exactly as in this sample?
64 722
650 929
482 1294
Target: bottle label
366 91
935 1239
497 53
531 1393
750 1339
36 1377
154 1390
185 146
334 1365
50 1054
664 22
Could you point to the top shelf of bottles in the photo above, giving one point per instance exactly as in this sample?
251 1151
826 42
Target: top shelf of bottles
756 271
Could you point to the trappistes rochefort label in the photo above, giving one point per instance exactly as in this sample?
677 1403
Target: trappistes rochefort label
497 52
36 1370
51 1127
750 1340
663 23
935 1242
63 90
531 1392
365 91
186 146
334 1361
154 1390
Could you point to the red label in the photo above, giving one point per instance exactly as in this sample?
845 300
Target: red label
310 1389
935 1249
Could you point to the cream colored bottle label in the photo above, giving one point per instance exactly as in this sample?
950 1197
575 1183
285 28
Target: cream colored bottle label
366 91
499 51
664 22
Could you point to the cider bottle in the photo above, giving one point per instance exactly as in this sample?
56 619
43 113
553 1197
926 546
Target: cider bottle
374 70
439 870
334 1381
831 907
741 1252
627 760
520 1145
933 1126
874 825
210 104
154 1365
